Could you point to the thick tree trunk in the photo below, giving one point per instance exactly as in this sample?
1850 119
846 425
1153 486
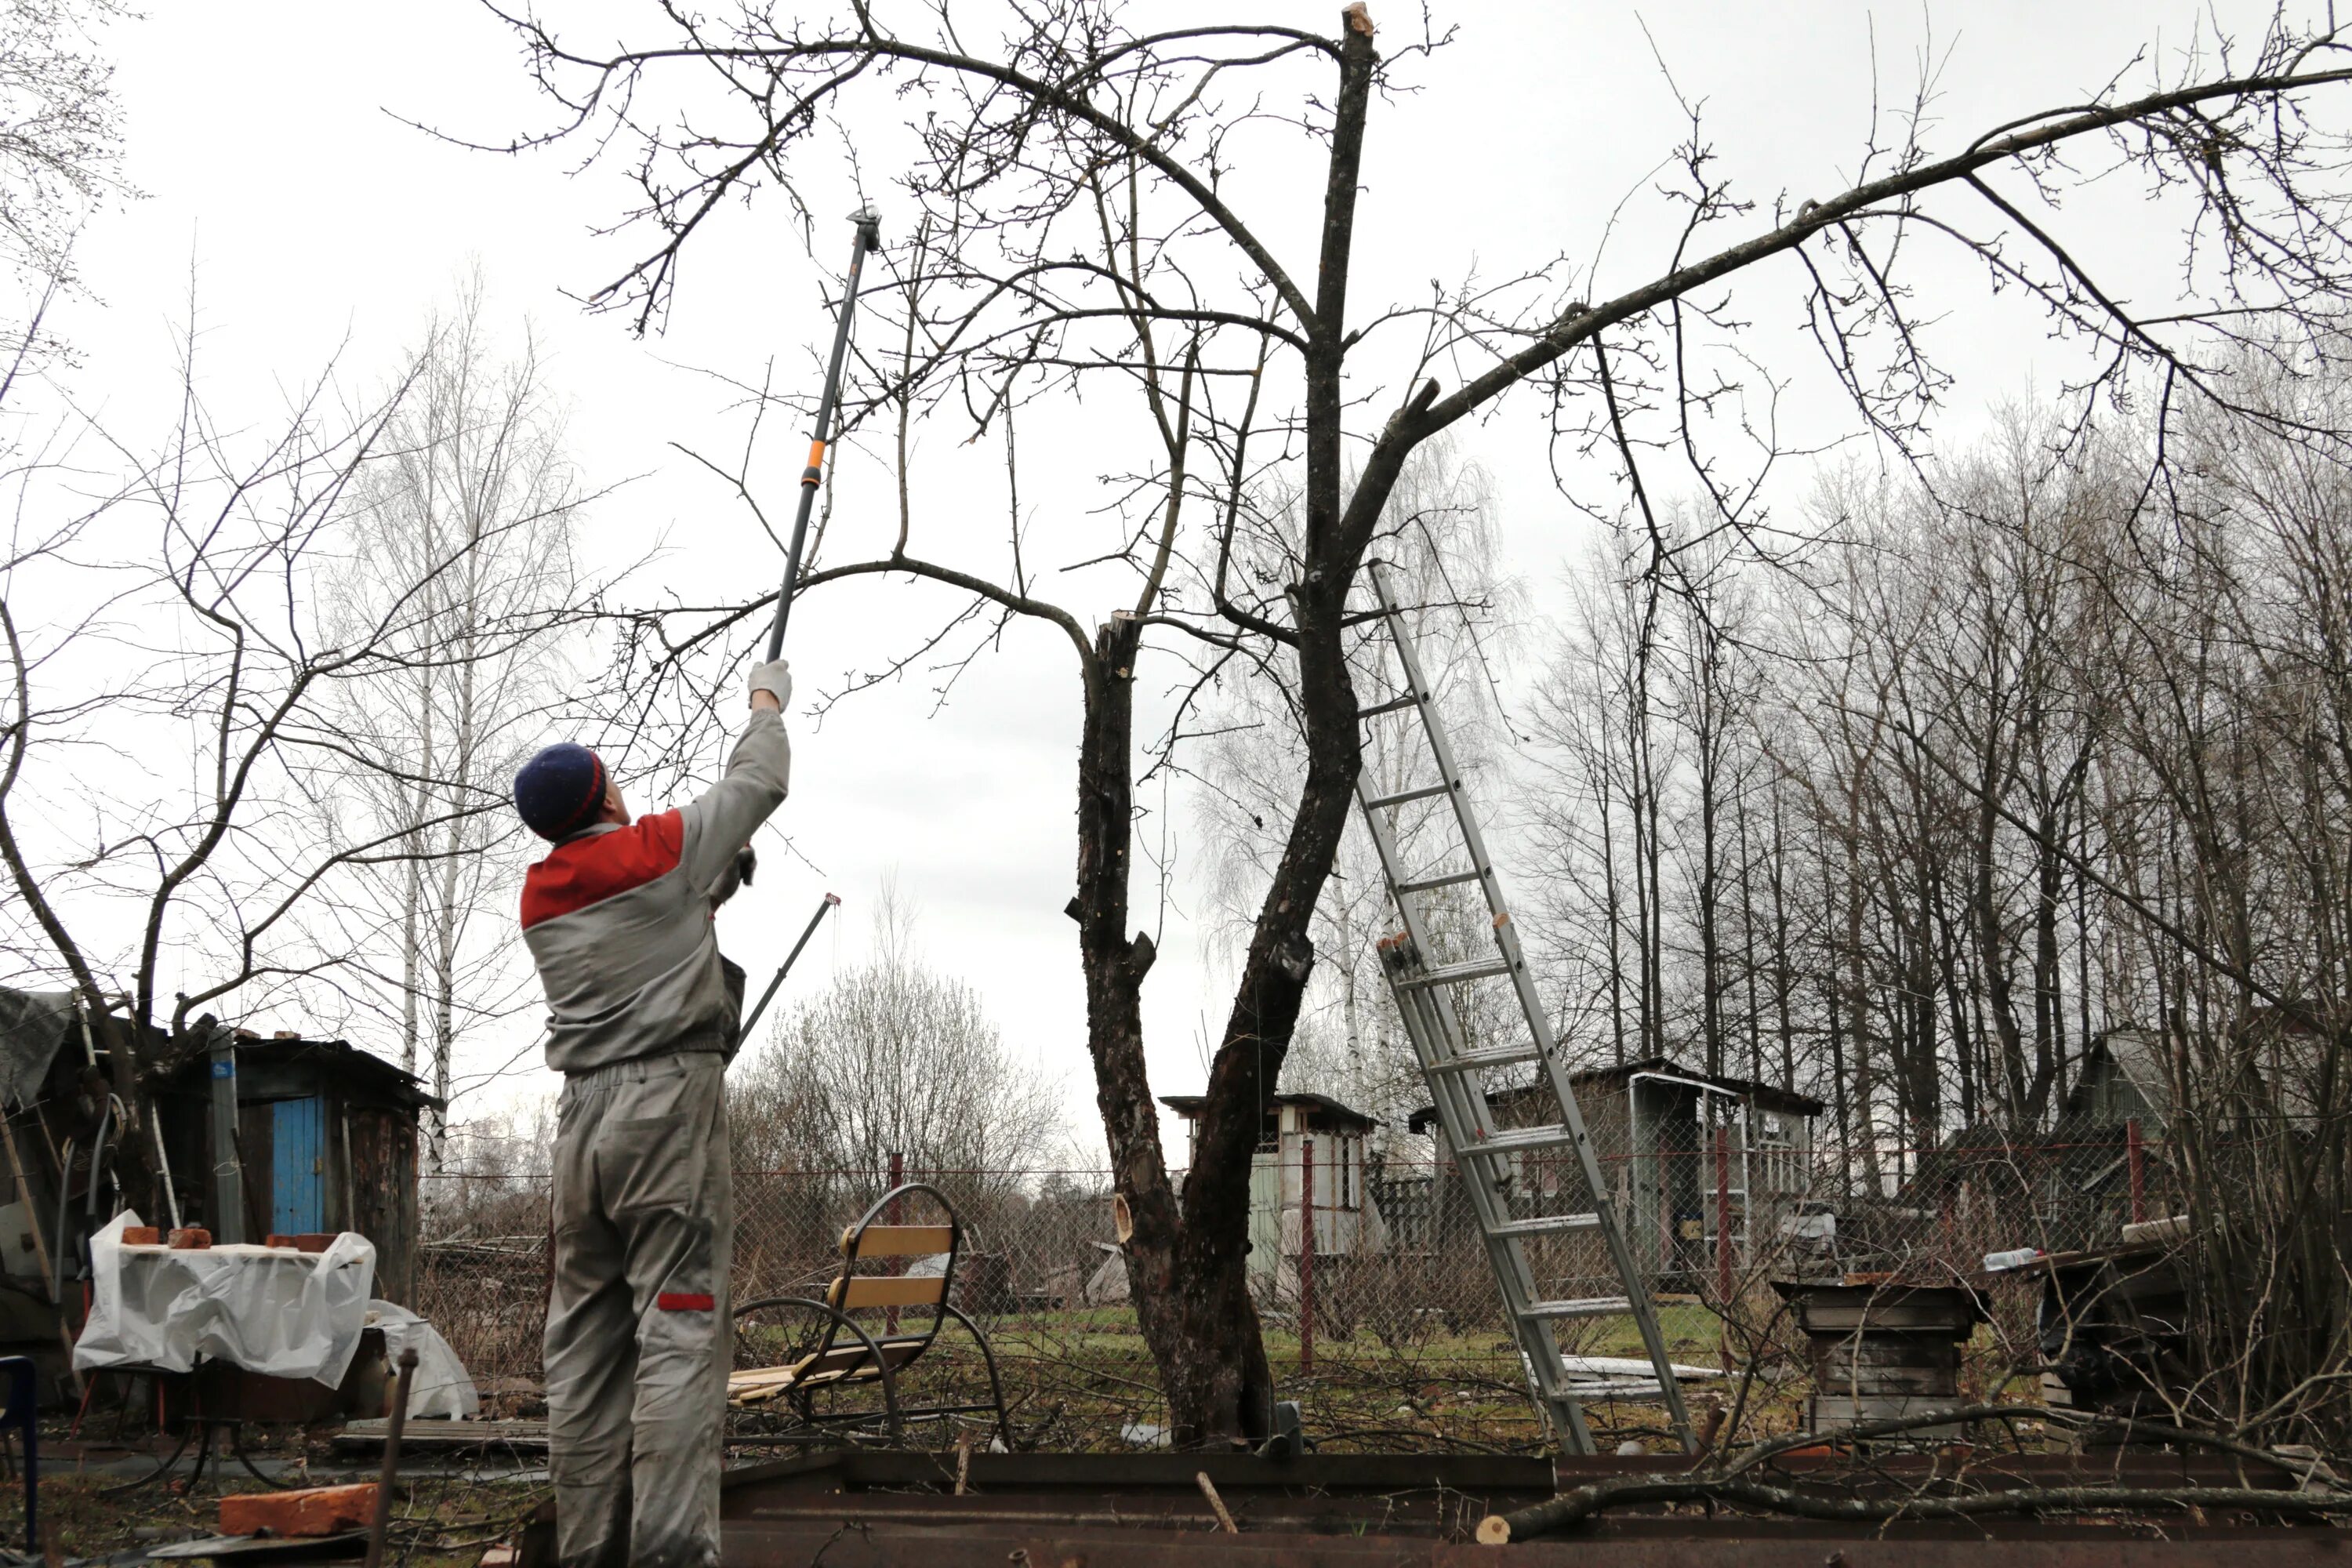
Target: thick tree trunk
1115 964
1230 1394
1218 1383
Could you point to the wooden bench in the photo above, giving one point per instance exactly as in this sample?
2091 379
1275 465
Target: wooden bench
848 1353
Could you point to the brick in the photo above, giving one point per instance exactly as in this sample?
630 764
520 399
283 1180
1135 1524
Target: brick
141 1235
308 1241
318 1511
191 1237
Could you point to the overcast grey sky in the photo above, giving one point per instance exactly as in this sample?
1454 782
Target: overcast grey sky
267 135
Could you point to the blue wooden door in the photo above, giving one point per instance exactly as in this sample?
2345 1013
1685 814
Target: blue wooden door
298 1187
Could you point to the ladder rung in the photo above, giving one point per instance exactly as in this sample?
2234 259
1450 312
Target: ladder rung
1447 973
1514 1139
1492 1057
1591 1307
1423 884
1374 711
1403 796
1548 1224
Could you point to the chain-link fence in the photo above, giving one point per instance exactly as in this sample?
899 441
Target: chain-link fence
1381 1316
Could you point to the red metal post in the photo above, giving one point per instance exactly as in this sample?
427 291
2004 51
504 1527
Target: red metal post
1669 1252
1723 1215
1307 1255
2136 1154
897 1180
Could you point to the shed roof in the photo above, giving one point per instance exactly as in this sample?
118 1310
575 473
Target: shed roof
1613 1080
2136 1056
363 1075
1188 1106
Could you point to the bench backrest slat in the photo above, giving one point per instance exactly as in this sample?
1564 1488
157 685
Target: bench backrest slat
850 1293
898 1241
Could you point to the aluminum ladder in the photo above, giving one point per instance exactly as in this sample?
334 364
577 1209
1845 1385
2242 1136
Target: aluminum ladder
1425 993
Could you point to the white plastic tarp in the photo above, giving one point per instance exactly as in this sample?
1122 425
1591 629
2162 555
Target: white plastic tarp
287 1314
439 1387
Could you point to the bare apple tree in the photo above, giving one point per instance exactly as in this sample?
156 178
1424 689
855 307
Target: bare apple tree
1078 231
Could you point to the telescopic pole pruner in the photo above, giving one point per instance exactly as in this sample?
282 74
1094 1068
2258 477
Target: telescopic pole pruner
832 902
869 238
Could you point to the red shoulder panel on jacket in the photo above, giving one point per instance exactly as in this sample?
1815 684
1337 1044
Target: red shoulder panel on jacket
590 870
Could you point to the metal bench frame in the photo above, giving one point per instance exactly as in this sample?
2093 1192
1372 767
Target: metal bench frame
864 1358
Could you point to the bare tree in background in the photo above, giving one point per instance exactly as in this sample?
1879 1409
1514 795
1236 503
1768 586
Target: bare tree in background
170 707
473 471
893 1057
1072 232
60 145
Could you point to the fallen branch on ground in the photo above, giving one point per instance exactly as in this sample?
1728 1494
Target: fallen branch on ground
1729 1484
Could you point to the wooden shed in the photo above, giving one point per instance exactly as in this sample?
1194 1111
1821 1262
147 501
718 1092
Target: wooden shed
1347 1223
326 1141
1667 1136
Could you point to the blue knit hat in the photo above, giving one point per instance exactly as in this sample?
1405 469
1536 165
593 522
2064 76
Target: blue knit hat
558 790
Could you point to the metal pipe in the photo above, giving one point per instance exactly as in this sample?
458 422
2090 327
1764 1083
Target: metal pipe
1307 1255
97 1154
229 1171
164 1168
1723 1216
65 1208
870 238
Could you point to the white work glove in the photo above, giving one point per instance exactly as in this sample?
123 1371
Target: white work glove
775 676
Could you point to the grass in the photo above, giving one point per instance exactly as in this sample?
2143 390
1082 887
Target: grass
1083 1380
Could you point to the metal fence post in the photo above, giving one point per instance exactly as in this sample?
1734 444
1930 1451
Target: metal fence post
2136 1154
1723 1215
898 1179
1307 1255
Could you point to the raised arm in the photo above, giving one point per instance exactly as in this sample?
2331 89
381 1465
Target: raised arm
759 774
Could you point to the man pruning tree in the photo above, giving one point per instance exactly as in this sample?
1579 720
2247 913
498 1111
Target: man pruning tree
642 1019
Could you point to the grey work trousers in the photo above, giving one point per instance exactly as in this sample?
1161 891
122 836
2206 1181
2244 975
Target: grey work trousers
637 1328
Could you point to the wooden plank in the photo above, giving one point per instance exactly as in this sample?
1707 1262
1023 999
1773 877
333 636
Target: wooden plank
849 1362
433 1434
851 1292
900 1240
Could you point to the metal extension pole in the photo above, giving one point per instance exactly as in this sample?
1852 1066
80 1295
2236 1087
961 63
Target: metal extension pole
831 901
870 238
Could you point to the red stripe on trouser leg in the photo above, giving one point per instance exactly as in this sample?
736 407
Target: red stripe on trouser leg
684 1302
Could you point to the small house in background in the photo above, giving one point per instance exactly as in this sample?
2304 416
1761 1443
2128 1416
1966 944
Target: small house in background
326 1137
1994 1188
1347 1224
1669 1138
2122 1078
